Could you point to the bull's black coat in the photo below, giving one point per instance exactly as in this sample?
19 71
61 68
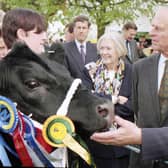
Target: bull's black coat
39 84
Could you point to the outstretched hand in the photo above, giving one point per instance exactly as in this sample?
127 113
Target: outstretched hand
127 133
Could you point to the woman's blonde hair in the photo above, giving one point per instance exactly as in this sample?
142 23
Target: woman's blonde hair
118 41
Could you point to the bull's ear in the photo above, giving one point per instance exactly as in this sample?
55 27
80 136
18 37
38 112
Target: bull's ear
56 52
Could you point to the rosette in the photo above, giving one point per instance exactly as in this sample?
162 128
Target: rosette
8 115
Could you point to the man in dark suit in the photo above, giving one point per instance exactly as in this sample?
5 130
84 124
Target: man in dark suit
129 31
79 52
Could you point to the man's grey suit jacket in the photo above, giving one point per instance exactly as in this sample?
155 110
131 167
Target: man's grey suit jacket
154 143
146 101
134 52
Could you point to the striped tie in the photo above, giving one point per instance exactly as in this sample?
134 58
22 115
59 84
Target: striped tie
82 52
163 93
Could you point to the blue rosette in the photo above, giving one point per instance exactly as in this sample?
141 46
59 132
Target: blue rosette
8 115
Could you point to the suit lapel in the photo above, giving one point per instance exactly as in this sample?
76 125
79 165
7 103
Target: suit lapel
133 50
88 50
153 72
77 57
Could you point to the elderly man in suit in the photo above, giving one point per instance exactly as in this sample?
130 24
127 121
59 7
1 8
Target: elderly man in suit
129 31
149 100
79 52
150 90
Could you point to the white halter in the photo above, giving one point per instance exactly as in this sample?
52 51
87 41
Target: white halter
63 110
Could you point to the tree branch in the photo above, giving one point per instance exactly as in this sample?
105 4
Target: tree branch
161 1
118 3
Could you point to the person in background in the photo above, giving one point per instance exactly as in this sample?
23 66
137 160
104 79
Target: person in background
142 44
24 25
69 35
129 31
80 52
3 48
111 78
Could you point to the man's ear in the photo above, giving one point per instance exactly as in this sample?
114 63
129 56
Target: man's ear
21 34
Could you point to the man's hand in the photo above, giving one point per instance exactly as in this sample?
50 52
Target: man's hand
127 133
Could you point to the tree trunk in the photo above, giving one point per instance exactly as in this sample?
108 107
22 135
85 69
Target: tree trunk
100 30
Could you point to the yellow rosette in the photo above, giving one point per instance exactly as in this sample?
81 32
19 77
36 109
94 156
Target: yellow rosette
58 130
55 129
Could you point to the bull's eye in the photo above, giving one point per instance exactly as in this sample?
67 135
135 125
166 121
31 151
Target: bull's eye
31 84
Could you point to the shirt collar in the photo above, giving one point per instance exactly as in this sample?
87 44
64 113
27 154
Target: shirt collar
163 58
79 44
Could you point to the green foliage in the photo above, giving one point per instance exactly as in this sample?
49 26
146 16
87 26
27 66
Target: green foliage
101 12
142 34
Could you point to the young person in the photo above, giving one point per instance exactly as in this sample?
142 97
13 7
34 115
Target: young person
24 25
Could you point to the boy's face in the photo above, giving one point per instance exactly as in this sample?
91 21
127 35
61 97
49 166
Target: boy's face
35 41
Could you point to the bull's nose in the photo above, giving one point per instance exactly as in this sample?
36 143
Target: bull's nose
102 111
106 111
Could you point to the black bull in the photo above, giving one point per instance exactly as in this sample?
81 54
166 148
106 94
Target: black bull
38 84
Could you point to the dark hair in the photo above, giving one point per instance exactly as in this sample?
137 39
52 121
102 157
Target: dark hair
70 27
130 25
81 18
25 19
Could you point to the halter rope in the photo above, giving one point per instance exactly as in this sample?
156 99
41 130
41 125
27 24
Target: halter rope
63 110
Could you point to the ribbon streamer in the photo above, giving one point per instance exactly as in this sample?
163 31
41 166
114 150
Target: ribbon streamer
3 155
77 148
29 136
21 148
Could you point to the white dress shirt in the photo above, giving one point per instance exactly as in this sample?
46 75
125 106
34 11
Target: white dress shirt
78 44
161 68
